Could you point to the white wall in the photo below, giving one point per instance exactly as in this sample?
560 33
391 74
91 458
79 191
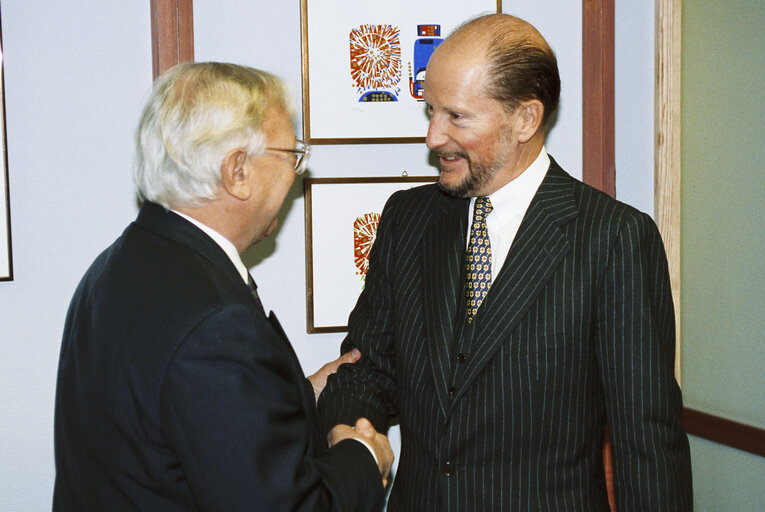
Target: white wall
75 75
75 80
634 97
560 23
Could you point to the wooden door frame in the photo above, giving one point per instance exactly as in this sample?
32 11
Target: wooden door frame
598 153
667 162
172 33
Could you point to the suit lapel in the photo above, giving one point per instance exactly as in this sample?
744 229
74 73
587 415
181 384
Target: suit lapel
443 248
539 246
157 219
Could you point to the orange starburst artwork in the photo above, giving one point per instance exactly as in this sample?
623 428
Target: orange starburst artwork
364 233
375 56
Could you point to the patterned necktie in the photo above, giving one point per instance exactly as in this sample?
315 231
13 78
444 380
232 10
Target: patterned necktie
478 264
254 290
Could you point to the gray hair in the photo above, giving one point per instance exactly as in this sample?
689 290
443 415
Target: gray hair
195 115
520 71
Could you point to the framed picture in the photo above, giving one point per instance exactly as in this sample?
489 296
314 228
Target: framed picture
6 261
341 216
364 65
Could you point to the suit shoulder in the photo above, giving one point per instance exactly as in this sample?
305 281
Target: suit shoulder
606 210
420 202
165 283
597 213
419 195
409 213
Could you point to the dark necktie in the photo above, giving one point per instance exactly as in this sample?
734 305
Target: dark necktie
254 290
478 263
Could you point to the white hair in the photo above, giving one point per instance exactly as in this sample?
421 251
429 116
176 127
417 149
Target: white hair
196 114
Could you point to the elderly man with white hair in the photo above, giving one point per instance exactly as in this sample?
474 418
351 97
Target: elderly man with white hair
175 390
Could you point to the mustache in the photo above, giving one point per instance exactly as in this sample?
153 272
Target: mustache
448 154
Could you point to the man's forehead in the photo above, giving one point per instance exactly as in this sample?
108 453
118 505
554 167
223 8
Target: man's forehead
452 74
461 49
277 123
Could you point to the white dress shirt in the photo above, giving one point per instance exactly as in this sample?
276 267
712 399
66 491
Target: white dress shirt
509 207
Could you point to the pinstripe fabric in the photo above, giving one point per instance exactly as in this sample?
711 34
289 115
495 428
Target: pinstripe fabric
507 413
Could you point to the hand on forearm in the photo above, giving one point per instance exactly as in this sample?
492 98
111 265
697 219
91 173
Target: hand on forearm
319 379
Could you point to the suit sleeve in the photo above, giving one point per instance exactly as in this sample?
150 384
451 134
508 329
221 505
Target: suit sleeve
233 412
636 352
368 387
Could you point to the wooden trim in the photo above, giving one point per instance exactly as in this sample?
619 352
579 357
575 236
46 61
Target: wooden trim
598 121
172 33
599 168
304 75
720 430
370 140
5 203
667 146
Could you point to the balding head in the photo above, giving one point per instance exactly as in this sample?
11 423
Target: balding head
486 29
519 64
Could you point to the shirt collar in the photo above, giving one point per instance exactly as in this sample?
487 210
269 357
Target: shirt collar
224 244
514 198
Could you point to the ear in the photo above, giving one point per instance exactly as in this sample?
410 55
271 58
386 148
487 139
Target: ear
529 119
234 174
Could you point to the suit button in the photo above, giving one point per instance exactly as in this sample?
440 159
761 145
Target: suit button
447 468
460 358
452 392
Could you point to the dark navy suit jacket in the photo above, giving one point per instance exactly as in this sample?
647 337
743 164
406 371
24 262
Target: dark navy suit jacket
508 413
175 392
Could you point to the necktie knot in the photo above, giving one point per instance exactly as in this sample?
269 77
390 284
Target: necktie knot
482 207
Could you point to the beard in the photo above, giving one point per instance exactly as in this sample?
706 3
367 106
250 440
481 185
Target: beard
480 174
477 177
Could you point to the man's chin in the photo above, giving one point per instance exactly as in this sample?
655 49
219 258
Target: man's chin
456 188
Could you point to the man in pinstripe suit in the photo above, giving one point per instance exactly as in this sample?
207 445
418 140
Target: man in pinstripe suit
503 401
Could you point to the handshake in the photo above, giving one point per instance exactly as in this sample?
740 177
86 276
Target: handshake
377 443
363 431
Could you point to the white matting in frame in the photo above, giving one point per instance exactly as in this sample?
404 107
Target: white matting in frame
364 64
341 225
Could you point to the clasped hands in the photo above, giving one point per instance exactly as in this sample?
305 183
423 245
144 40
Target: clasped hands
363 430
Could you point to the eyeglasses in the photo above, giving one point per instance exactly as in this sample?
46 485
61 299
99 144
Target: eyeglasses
302 153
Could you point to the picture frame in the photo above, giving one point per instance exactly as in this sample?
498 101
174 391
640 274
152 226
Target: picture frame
341 216
363 66
6 259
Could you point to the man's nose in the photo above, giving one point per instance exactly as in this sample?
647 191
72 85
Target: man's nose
436 136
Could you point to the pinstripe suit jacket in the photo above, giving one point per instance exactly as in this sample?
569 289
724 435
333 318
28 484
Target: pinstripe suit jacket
508 413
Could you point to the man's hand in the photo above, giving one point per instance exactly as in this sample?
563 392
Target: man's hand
319 379
365 432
